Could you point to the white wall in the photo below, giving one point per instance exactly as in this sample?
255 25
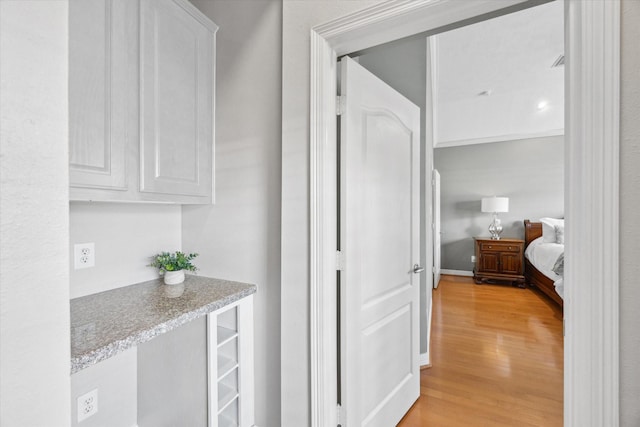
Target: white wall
239 237
126 235
116 381
34 180
629 224
299 16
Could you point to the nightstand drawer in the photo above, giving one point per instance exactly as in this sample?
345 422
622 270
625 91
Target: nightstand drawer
500 247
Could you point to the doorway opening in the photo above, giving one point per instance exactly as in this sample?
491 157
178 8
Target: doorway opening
491 136
591 257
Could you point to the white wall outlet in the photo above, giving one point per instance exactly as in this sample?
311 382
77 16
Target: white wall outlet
84 255
473 258
87 405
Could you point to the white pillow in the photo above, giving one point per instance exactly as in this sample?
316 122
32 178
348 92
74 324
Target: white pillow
548 229
559 234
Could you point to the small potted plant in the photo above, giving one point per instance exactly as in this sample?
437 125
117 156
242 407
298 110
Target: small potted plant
173 265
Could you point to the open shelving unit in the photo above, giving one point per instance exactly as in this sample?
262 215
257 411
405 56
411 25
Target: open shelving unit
230 346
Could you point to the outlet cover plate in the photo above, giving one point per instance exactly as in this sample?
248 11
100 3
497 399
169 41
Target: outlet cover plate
87 405
84 255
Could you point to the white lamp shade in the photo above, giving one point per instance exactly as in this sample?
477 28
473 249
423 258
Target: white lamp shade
495 204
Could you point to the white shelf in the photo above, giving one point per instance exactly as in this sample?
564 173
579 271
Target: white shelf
225 335
225 366
230 365
228 417
226 395
226 422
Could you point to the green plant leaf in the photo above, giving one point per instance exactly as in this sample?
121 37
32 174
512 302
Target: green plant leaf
166 261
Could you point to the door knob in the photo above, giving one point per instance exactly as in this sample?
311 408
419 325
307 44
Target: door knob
417 269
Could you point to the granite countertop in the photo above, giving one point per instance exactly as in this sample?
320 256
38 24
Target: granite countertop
108 323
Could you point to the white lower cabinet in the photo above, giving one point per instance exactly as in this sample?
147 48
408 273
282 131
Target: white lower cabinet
231 379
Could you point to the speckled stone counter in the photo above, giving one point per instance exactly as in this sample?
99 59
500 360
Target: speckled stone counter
108 323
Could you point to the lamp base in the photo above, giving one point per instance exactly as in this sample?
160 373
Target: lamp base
495 228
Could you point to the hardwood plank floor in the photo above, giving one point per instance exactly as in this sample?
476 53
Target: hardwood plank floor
497 359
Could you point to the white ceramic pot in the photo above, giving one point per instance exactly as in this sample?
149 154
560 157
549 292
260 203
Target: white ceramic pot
173 277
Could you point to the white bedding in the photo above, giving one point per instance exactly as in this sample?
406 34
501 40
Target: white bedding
543 256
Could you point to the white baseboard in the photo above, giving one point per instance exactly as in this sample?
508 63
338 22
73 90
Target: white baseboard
424 359
457 272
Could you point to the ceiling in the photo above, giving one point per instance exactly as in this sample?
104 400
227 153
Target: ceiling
510 59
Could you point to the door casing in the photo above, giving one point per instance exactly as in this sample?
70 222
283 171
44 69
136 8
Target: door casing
592 96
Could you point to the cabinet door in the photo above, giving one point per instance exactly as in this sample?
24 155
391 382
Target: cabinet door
176 111
510 263
102 91
489 262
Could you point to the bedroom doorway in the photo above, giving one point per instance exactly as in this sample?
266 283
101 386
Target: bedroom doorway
589 116
497 92
497 96
489 144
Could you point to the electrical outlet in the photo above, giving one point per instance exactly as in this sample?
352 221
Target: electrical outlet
473 258
87 405
84 255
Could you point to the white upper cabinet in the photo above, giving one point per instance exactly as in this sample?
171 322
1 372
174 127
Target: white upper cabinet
176 50
102 78
142 97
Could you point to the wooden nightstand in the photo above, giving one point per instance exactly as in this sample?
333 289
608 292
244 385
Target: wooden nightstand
499 260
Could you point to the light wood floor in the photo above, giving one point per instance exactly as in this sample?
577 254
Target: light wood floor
497 359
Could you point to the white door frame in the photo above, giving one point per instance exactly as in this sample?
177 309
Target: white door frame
592 30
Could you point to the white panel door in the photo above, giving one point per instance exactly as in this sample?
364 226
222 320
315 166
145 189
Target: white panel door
177 80
436 229
380 232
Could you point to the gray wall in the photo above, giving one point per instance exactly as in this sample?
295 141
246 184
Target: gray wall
298 19
629 224
115 379
126 236
403 67
34 214
238 237
172 378
530 172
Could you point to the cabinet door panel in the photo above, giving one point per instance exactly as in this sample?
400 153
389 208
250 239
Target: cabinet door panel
489 262
510 263
101 85
176 100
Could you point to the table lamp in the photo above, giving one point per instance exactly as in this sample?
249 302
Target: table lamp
495 205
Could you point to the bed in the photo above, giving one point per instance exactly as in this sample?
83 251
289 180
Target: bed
542 277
